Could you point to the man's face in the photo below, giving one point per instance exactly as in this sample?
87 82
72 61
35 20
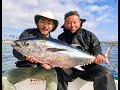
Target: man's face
45 25
72 23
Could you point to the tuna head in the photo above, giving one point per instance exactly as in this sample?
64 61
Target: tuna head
29 46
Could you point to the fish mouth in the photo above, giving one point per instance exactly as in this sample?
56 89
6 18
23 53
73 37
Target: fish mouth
14 44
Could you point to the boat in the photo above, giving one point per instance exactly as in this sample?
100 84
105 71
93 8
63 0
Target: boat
35 84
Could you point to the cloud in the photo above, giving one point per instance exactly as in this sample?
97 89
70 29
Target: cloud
104 18
96 8
93 1
90 25
19 14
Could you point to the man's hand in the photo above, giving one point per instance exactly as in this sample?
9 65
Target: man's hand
46 66
100 59
34 60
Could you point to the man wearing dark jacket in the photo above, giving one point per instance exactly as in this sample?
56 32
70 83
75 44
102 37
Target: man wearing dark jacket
88 42
25 66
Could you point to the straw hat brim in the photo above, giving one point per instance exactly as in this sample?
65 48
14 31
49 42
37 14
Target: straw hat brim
37 17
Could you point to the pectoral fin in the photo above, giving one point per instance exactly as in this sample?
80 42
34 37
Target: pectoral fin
79 68
55 49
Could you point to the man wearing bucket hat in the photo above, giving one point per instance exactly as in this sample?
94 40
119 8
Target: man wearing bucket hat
88 42
26 66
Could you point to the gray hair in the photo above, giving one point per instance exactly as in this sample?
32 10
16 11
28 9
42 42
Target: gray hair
70 13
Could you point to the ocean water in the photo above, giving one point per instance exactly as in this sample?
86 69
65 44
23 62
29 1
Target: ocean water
8 60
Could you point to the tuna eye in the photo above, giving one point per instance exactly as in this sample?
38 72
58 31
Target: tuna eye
26 43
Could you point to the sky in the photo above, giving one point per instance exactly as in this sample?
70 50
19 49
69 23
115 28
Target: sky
101 15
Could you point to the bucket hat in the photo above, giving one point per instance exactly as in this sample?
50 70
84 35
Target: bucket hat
46 14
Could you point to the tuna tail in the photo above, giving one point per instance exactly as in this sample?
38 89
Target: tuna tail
107 56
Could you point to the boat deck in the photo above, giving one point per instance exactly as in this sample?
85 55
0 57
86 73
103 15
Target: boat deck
77 84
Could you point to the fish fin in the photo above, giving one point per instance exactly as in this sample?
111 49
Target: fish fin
79 68
107 56
75 45
55 49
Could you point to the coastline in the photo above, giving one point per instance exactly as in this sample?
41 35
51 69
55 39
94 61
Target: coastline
7 41
102 42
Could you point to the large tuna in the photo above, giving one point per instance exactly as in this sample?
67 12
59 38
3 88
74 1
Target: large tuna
56 53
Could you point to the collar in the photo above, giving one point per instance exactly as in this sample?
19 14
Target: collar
38 33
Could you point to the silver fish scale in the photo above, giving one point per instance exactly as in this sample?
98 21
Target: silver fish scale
62 60
56 53
67 56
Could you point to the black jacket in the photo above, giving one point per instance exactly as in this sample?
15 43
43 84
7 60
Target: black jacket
28 33
86 41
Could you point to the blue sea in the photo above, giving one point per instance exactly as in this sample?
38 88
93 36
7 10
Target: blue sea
8 60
